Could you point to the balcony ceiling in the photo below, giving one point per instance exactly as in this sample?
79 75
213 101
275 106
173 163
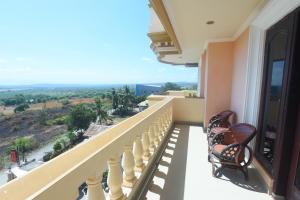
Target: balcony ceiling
189 18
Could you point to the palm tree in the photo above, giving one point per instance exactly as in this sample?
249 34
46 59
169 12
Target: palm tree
115 99
127 98
101 113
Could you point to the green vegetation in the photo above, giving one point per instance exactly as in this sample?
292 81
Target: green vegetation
81 116
22 107
58 121
101 112
124 100
24 145
57 147
171 86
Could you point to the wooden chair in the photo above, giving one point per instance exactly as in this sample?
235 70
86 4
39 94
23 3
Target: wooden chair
220 120
228 148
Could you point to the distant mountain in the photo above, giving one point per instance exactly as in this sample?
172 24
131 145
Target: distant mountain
80 86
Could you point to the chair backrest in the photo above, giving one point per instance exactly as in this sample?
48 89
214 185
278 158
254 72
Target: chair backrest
242 133
225 114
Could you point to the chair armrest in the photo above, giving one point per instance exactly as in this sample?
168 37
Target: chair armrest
231 152
213 123
218 138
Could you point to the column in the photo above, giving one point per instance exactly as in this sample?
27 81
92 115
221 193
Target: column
94 191
146 145
128 160
138 154
152 146
115 178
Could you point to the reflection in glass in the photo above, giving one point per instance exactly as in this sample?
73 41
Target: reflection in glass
273 107
297 178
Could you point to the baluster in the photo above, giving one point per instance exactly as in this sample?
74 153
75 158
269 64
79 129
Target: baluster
146 145
156 138
94 191
115 178
160 129
138 154
128 163
165 122
152 146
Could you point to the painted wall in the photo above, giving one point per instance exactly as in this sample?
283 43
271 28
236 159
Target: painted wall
202 69
219 78
188 110
239 75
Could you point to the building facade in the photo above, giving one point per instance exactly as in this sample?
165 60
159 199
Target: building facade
248 55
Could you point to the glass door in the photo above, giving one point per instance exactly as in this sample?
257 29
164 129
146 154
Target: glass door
271 104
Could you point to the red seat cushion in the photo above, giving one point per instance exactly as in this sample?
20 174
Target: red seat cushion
218 148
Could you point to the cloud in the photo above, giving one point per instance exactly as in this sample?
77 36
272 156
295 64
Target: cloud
146 59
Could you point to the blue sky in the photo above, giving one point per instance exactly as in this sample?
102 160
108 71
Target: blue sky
82 42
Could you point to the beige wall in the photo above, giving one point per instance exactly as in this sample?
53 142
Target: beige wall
202 68
218 78
188 110
240 56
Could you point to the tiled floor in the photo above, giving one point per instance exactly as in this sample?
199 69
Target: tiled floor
185 173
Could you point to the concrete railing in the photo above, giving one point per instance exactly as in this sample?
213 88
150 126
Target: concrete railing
134 141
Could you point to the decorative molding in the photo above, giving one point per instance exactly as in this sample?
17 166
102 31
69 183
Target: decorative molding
274 11
160 10
159 37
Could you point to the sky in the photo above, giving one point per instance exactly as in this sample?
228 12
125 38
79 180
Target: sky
80 42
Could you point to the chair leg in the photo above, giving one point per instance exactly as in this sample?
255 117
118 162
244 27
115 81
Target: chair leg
244 170
213 169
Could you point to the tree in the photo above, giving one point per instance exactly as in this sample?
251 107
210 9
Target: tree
81 116
115 99
101 113
72 137
20 99
57 147
23 144
170 86
21 108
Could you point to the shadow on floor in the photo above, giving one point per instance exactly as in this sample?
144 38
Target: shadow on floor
254 183
173 161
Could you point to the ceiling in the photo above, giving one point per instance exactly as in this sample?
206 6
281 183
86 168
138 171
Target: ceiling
189 18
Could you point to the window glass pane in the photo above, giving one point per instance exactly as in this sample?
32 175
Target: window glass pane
297 179
276 63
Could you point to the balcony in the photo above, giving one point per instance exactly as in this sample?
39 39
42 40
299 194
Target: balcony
184 172
162 158
139 140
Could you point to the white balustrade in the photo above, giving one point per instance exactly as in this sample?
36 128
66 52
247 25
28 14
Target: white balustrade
128 163
146 145
138 154
114 179
94 191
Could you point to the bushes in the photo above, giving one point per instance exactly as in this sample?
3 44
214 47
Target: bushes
24 144
58 121
57 147
63 144
65 102
21 107
47 156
